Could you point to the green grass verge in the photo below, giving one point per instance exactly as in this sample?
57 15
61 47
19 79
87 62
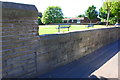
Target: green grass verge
51 29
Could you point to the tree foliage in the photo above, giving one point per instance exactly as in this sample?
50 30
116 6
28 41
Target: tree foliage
115 10
40 14
91 13
39 18
53 14
107 6
110 11
102 13
39 21
81 15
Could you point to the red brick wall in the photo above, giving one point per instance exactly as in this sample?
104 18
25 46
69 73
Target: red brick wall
86 20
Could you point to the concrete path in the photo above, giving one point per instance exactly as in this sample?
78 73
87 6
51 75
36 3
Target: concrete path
109 69
85 66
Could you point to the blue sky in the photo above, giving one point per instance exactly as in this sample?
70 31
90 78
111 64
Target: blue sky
70 8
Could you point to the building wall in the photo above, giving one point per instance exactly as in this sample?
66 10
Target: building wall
84 21
87 21
26 55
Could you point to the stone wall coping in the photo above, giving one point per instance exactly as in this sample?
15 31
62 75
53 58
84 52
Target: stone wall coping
58 34
21 6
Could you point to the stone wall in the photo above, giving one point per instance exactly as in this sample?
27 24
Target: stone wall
26 55
56 50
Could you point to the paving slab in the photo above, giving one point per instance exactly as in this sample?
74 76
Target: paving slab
109 69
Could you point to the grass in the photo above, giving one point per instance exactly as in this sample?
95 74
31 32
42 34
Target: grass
51 29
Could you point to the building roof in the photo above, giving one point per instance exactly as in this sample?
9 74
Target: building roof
74 18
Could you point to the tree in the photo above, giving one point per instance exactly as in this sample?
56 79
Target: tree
115 10
39 21
53 14
91 13
107 6
102 13
40 14
39 18
81 15
110 11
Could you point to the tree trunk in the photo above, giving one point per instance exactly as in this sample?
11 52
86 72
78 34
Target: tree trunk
117 18
90 22
108 17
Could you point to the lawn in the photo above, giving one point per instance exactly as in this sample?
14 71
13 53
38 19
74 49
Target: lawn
51 29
